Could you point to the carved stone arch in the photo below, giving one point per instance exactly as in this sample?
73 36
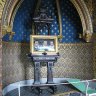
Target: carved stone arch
85 19
11 7
8 13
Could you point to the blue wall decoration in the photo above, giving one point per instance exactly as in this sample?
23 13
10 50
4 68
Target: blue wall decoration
71 22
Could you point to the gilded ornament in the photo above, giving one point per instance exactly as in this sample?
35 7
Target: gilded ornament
8 30
88 36
60 36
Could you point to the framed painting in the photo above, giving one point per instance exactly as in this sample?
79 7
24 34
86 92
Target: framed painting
40 44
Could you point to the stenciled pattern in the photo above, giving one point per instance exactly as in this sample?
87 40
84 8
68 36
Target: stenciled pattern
71 23
75 61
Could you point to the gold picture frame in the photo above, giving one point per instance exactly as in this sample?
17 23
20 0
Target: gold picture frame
40 44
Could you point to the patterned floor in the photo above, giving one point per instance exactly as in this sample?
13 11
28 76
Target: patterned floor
27 91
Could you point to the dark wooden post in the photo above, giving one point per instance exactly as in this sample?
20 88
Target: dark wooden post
49 72
37 74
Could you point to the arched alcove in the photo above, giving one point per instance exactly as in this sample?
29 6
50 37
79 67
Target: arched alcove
79 5
17 62
71 23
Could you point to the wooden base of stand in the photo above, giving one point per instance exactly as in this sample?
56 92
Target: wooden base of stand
49 60
52 89
37 82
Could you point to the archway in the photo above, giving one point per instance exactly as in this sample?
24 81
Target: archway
8 20
9 13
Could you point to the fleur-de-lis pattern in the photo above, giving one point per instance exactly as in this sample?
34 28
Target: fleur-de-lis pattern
71 22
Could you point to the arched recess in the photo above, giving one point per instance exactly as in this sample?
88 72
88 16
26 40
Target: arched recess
11 7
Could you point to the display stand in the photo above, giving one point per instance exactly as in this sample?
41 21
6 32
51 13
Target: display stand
49 60
37 73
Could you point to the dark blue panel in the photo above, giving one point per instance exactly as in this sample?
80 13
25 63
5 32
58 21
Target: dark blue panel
71 23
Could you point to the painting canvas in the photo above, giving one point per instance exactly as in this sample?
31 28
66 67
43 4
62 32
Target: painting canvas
40 44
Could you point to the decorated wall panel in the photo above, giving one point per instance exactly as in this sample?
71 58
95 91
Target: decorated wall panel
71 23
75 61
